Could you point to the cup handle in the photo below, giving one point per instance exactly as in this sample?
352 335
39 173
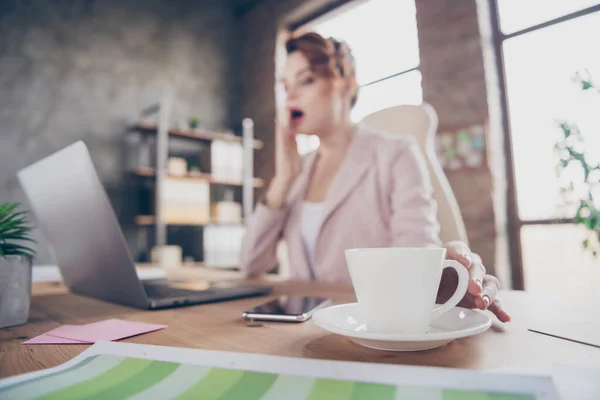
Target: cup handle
461 289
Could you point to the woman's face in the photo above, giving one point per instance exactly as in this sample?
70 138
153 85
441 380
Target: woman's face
314 104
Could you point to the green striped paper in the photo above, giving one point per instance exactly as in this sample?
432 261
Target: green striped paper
112 377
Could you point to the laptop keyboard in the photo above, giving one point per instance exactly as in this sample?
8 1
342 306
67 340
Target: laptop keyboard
165 292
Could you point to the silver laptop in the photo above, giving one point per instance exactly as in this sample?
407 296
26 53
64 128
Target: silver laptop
74 212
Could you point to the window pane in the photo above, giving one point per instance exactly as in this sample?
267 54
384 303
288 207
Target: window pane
539 67
516 15
554 260
382 35
402 89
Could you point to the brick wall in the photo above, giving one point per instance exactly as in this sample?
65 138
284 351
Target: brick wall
453 82
84 70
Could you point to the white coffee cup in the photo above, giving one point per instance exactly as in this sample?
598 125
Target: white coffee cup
396 288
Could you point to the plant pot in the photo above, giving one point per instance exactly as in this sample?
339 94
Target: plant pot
15 290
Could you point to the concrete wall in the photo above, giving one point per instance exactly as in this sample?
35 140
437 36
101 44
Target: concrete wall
73 70
453 81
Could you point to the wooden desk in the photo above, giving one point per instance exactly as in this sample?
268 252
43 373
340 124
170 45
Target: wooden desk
219 326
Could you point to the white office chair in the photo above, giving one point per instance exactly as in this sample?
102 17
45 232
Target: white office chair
422 122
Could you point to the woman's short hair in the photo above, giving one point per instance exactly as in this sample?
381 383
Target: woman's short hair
327 57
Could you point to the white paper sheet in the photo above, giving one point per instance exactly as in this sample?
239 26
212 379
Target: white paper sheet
577 382
540 387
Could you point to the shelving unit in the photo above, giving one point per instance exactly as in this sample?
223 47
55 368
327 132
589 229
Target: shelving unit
149 220
149 172
158 174
196 134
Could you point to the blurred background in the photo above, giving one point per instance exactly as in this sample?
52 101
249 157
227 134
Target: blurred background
501 74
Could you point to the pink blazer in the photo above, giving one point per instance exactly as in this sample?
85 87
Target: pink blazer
380 197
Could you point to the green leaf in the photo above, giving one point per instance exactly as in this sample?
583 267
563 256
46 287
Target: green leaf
20 216
578 217
11 248
15 231
21 237
2 233
586 85
14 223
14 246
566 129
14 228
586 243
10 217
7 208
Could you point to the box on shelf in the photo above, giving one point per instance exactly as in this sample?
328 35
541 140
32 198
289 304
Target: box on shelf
185 202
177 166
166 256
227 211
222 245
227 161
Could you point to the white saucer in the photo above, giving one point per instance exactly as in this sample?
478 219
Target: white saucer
457 323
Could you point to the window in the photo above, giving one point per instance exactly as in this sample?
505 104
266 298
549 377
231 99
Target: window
386 49
522 14
538 68
543 44
401 89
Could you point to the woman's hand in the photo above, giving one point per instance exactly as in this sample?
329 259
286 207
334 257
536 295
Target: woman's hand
288 163
482 289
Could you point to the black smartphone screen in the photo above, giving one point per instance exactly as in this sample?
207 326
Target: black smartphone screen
288 305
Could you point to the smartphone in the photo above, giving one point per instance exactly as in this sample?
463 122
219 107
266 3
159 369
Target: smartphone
287 309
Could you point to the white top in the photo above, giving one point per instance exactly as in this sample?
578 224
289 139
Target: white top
312 215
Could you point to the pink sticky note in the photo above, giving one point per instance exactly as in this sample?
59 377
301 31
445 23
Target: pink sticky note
110 329
49 339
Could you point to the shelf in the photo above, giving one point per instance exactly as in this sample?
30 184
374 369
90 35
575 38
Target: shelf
196 134
149 172
148 220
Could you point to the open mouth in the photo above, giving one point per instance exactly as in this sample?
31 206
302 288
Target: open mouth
296 115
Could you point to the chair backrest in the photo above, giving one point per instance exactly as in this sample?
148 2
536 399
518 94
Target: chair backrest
422 122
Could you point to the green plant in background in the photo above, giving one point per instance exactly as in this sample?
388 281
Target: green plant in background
586 190
14 230
193 122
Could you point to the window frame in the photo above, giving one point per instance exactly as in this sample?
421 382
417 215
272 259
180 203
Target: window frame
338 8
331 10
515 223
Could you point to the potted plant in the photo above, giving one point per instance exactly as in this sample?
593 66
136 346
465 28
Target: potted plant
193 122
16 261
583 191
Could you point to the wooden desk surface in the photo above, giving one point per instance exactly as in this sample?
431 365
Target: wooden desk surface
219 326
